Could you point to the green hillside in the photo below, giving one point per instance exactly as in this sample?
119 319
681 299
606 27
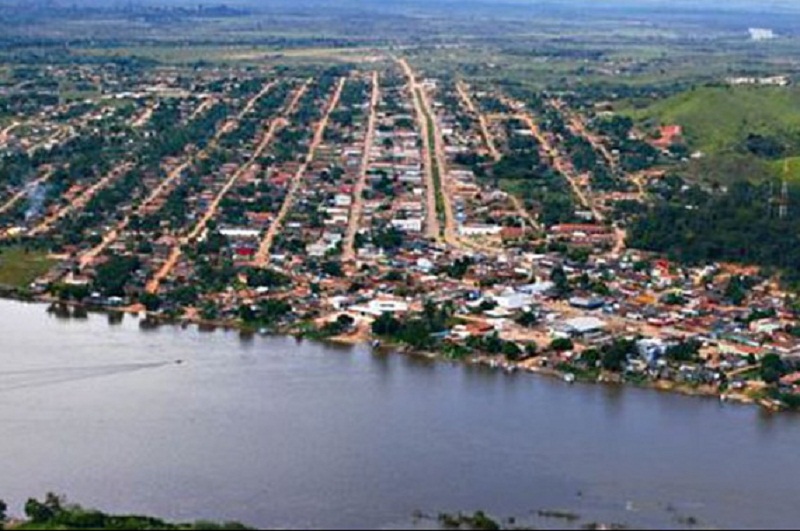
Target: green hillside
717 119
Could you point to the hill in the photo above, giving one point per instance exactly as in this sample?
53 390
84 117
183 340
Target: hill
720 119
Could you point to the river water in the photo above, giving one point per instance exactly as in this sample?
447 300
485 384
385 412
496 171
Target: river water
276 432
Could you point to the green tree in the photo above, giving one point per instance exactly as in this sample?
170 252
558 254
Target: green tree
386 325
772 368
736 290
493 344
590 357
151 302
559 278
512 351
562 344
37 512
527 319
683 352
615 355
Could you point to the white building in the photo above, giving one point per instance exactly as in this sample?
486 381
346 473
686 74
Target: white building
378 307
342 200
479 230
237 233
408 225
512 301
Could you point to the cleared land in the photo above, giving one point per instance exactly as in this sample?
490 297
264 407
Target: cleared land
19 266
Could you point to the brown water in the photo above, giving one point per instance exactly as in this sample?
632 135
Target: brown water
275 432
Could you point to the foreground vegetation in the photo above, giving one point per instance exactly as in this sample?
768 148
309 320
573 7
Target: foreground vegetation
54 513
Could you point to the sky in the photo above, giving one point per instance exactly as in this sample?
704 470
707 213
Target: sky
634 5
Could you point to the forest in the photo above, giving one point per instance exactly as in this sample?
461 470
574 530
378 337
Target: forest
740 225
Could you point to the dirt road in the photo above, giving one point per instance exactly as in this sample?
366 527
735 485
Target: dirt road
7 131
111 236
17 197
263 254
200 227
463 92
144 118
432 220
81 200
561 164
348 251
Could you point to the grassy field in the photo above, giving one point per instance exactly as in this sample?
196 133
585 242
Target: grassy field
716 119
18 268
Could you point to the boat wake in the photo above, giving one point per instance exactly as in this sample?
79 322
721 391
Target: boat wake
33 378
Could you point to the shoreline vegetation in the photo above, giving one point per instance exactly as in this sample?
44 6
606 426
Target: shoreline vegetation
55 513
509 362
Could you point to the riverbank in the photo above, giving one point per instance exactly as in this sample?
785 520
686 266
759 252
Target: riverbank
362 336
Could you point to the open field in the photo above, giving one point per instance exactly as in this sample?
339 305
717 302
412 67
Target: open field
221 53
19 267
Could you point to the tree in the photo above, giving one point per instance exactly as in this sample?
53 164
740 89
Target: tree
683 352
38 512
559 278
590 357
112 276
151 302
615 355
386 325
736 291
772 368
527 319
333 269
511 351
3 509
531 350
493 344
345 321
246 313
562 344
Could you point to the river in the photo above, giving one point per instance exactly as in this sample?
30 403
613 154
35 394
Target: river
277 432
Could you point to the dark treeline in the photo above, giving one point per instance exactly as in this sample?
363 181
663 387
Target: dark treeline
739 225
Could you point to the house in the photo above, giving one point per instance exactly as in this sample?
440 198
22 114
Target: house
479 230
378 307
584 326
342 200
512 301
407 225
587 303
240 233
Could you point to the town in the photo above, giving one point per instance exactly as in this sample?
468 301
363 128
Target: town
377 202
